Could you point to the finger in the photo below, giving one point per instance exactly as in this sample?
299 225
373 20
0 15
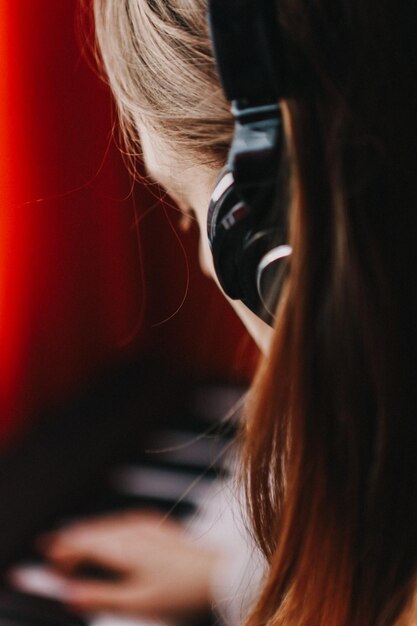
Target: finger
123 545
91 565
69 554
128 599
80 527
99 528
82 537
96 597
103 535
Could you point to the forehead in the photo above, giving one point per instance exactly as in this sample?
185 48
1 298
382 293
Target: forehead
186 181
155 155
178 174
162 162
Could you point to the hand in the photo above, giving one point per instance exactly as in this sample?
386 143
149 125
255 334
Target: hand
160 570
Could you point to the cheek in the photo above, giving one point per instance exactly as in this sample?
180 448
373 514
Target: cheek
205 257
260 332
204 253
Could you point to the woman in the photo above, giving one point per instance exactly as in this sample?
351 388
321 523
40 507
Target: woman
330 439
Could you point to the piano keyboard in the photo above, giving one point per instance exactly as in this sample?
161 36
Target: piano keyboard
174 473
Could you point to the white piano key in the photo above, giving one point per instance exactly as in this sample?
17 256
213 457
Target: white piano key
42 581
39 580
142 481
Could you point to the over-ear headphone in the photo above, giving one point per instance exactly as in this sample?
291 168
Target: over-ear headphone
246 230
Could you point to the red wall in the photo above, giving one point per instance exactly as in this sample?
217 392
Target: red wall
81 284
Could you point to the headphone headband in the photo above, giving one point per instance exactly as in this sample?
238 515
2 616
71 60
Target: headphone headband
246 38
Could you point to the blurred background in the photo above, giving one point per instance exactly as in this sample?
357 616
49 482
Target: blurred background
107 327
92 270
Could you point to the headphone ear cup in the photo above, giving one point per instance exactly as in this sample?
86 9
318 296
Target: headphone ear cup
228 223
249 264
254 249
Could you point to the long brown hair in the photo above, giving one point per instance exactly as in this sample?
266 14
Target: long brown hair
331 439
331 431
